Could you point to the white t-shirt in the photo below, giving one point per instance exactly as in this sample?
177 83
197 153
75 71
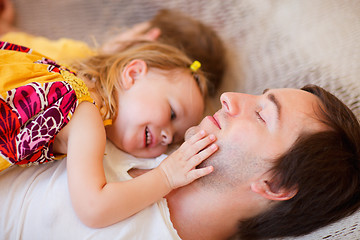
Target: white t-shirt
35 204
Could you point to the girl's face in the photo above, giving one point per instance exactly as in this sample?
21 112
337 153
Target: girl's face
155 109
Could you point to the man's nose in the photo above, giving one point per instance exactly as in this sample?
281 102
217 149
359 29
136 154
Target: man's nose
166 136
230 102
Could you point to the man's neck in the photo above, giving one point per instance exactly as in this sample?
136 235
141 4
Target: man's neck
198 214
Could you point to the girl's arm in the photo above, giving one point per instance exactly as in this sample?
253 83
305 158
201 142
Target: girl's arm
98 203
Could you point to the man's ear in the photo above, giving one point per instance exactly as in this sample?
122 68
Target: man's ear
267 190
132 72
153 34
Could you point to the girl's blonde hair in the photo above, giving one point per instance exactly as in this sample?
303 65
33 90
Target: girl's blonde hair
104 70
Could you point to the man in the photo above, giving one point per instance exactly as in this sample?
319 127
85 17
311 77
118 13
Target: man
282 157
288 164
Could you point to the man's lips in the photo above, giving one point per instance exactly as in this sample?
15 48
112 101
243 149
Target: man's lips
214 120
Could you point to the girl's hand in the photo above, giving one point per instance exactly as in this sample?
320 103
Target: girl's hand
179 167
139 32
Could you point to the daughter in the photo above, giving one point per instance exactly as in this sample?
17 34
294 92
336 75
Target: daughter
147 96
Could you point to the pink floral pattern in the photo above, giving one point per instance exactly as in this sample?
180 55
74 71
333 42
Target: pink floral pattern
53 66
15 47
26 100
42 110
33 114
9 124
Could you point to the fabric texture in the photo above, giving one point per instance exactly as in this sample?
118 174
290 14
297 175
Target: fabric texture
37 99
271 43
36 204
63 50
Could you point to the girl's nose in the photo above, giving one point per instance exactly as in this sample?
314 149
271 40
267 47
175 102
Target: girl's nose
166 137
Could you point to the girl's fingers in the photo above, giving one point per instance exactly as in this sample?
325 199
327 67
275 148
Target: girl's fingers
191 148
198 173
196 137
179 167
201 156
203 143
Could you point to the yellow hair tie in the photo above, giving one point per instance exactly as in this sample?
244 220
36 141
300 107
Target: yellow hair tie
107 122
195 66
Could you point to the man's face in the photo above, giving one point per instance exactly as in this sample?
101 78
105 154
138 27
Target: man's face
252 129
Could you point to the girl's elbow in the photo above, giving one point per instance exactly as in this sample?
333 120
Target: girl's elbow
93 218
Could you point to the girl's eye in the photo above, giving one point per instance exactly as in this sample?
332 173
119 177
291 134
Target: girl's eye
259 117
173 114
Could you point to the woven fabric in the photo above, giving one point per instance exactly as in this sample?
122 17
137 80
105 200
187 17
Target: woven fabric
271 43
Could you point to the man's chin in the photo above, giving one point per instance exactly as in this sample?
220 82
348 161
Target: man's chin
191 132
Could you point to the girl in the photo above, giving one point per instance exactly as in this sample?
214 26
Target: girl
147 95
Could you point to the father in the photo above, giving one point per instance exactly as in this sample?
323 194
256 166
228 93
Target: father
287 164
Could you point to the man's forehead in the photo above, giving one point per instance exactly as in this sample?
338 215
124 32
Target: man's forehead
267 90
301 107
285 94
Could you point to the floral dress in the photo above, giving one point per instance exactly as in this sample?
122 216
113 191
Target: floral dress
37 99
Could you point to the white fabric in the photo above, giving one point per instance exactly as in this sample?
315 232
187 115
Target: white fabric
35 204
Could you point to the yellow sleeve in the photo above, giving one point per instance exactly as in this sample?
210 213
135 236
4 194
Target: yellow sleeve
64 50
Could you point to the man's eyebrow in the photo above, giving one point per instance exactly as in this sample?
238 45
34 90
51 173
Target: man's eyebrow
275 101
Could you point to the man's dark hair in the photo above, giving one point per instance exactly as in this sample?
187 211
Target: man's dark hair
324 167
